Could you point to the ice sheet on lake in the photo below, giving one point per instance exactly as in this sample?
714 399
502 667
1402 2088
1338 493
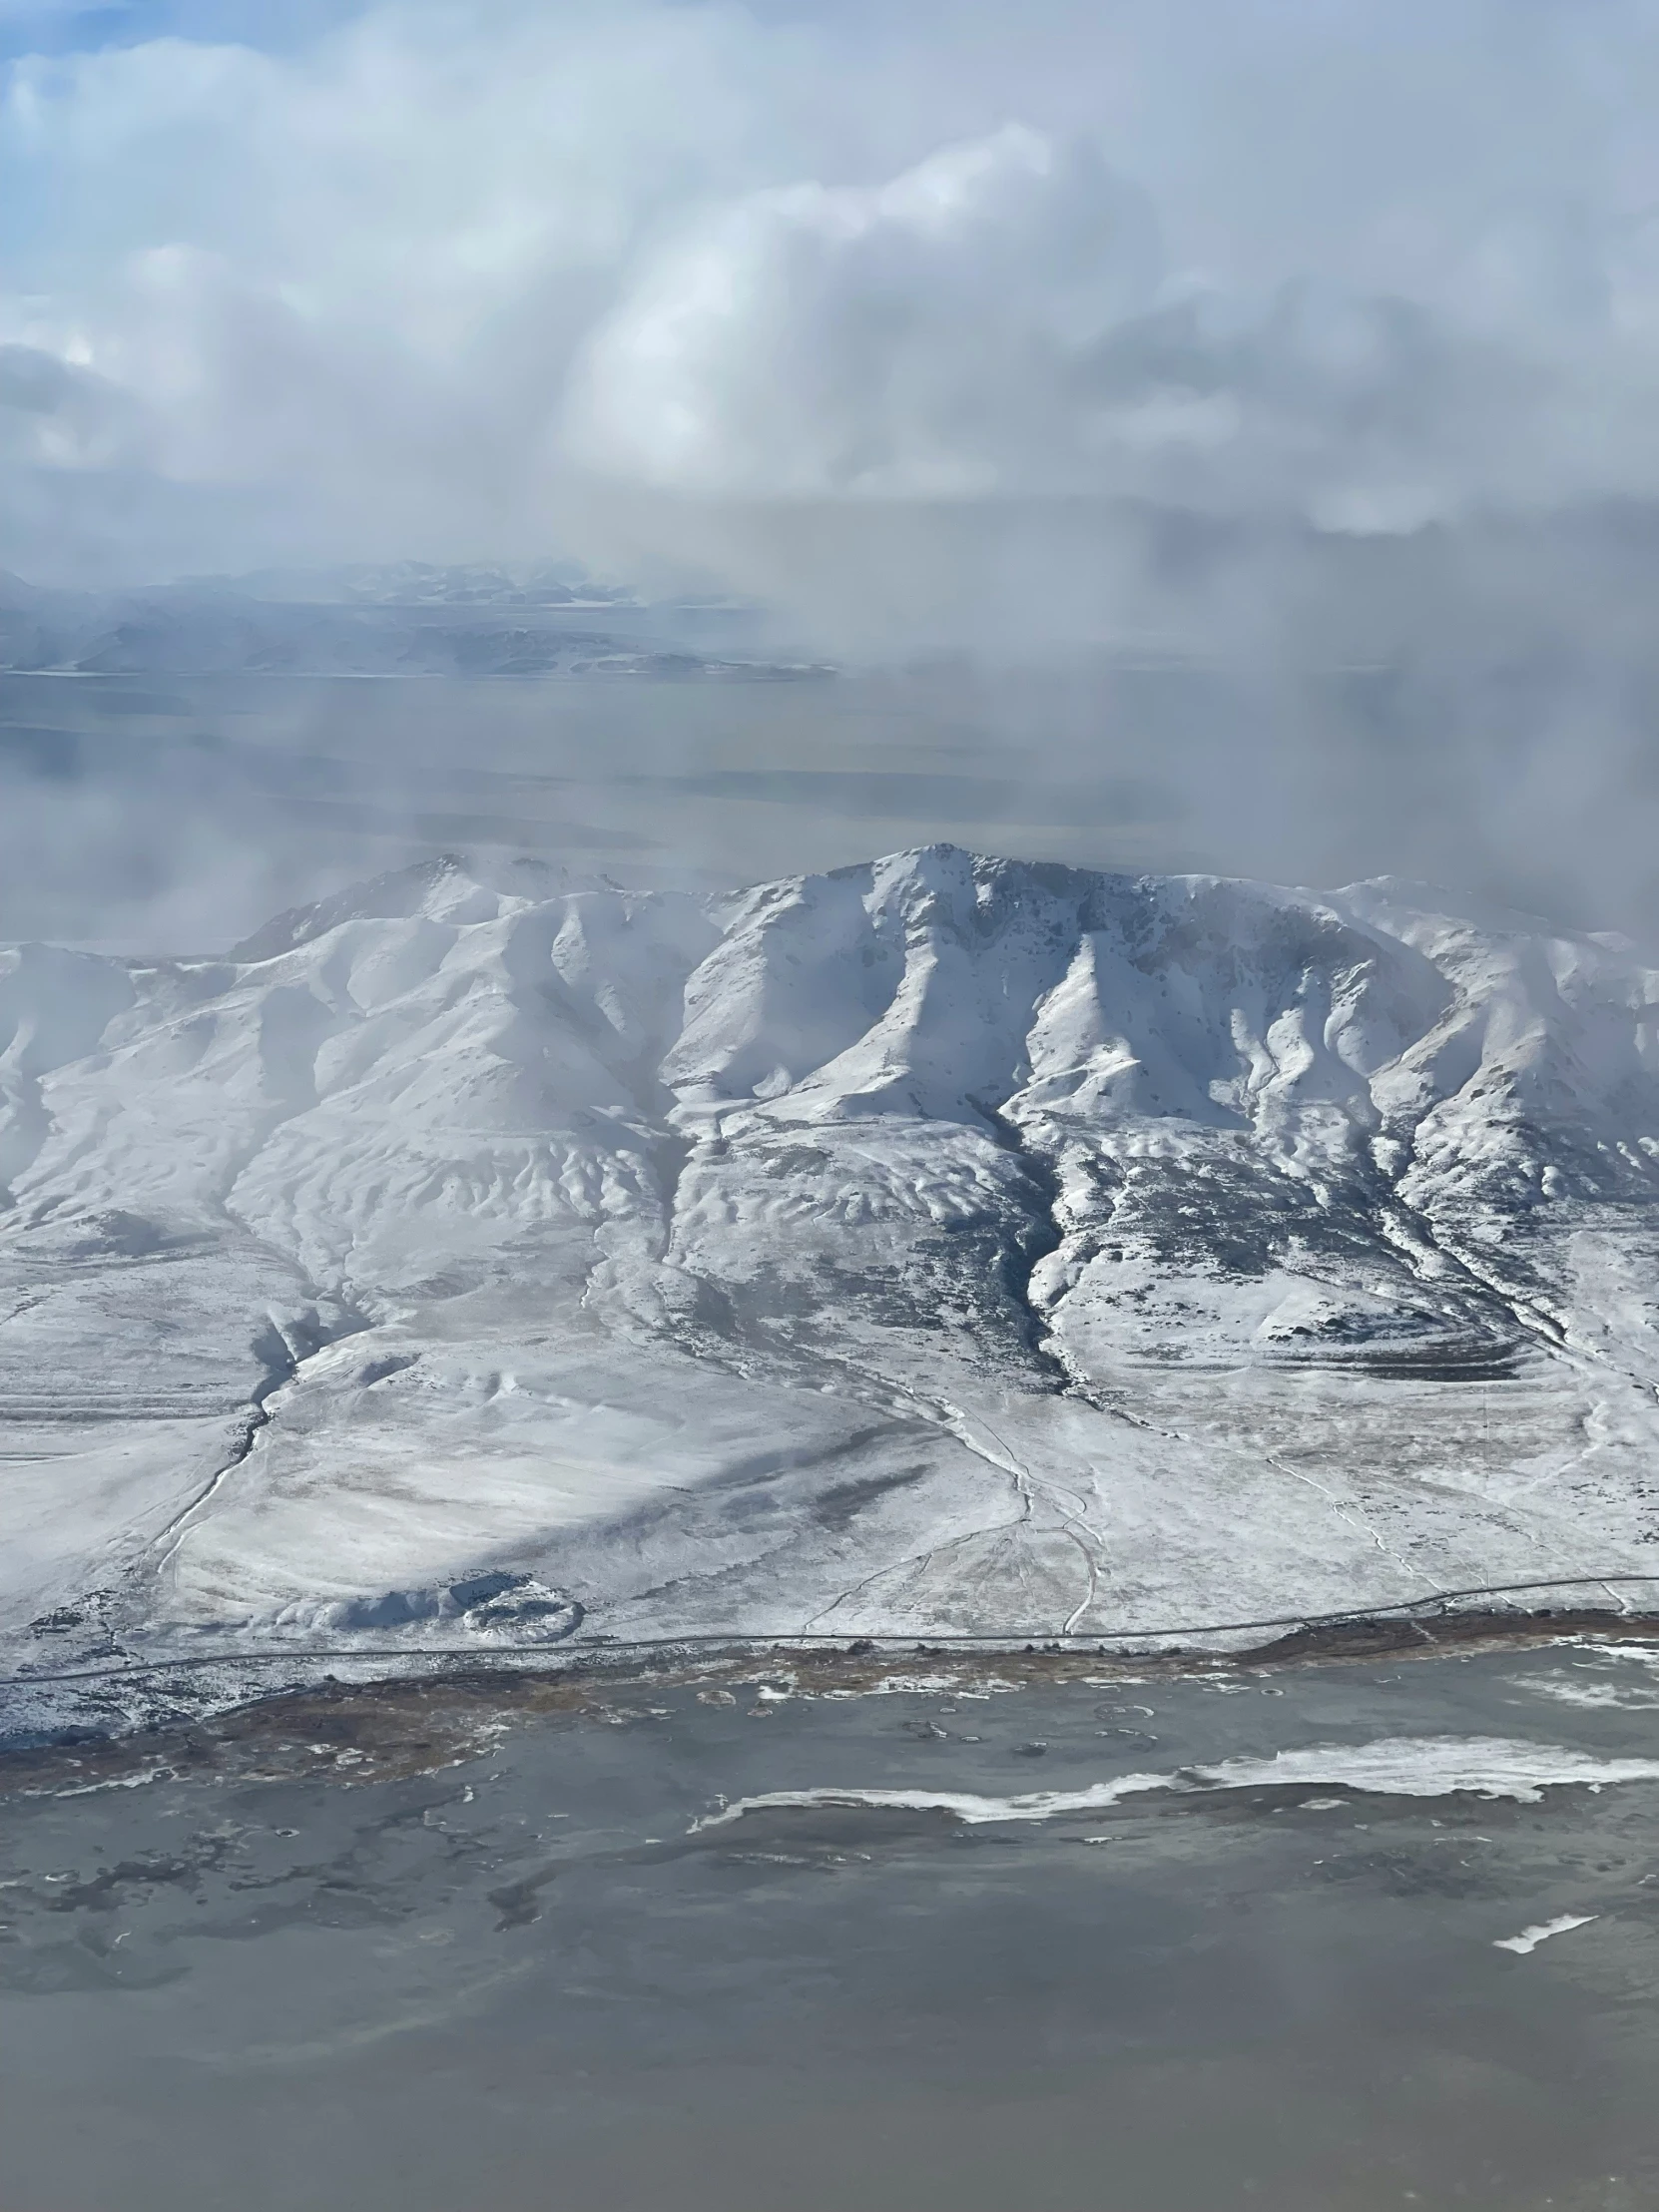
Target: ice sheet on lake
1531 1938
1397 1766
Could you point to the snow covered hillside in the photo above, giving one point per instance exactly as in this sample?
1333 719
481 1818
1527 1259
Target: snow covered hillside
944 1243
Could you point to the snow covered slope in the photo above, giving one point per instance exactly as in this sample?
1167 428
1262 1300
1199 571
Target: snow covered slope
942 1244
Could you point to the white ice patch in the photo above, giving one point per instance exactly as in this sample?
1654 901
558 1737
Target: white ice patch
1566 1689
1394 1766
927 1684
138 1781
1531 1938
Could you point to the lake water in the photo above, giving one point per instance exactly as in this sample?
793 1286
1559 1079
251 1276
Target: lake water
467 1947
176 813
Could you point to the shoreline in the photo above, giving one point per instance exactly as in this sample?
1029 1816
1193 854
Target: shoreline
1438 1608
451 1706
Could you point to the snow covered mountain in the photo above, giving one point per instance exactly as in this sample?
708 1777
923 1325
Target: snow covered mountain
943 1244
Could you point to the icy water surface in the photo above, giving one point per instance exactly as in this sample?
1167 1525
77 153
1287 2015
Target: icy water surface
576 1966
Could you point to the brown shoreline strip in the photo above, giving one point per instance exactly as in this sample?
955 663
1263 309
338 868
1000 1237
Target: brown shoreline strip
417 1722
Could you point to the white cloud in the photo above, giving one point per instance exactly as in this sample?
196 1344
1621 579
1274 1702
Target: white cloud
920 338
510 276
997 321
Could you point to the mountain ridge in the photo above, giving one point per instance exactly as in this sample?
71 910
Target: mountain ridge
943 1244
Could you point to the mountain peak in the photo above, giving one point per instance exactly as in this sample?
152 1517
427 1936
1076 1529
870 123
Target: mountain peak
1134 1250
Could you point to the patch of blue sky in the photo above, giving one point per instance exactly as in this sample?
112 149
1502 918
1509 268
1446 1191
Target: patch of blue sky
84 26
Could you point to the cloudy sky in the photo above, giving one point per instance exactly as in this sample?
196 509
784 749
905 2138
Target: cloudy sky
1300 337
323 280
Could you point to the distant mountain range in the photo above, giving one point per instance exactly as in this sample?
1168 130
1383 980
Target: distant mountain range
405 618
427 584
941 1245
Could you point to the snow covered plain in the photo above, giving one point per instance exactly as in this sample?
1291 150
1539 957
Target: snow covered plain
942 1244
